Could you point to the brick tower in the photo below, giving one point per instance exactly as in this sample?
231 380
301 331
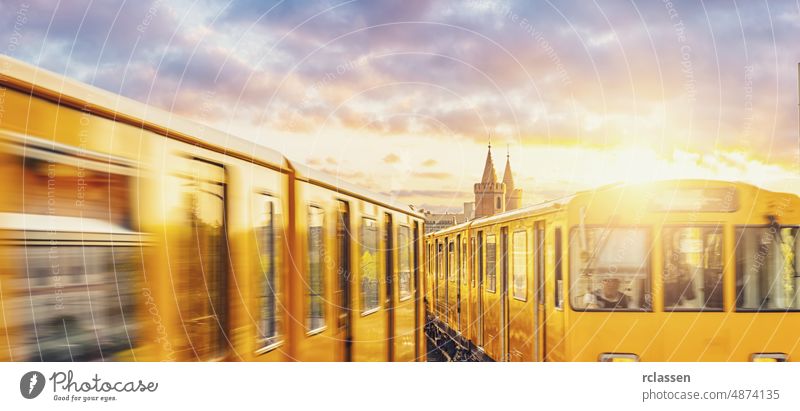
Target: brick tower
490 195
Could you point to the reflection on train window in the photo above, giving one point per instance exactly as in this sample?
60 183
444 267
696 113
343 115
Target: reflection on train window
463 272
479 242
404 240
86 190
609 268
767 268
203 295
472 261
491 266
451 261
520 268
79 302
439 260
315 312
269 290
559 268
369 265
692 268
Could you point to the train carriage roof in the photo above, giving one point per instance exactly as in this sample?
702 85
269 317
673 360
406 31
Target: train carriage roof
304 172
540 208
610 189
57 88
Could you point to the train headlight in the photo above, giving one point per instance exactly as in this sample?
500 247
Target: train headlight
618 357
769 357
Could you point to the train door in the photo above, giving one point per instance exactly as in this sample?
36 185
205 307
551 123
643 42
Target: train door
504 293
388 242
473 295
458 283
344 294
539 294
417 293
480 289
439 280
554 325
203 300
464 289
448 276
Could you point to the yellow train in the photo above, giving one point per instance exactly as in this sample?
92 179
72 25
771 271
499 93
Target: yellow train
687 270
127 233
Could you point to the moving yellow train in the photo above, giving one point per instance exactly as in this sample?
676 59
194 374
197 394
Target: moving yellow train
127 233
684 270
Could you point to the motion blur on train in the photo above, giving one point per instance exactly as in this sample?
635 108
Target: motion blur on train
127 233
685 270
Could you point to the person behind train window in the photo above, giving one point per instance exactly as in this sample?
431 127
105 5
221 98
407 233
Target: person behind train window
608 297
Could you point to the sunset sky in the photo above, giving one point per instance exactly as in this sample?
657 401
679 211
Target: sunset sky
402 96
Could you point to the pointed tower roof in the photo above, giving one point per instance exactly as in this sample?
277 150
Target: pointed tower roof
489 175
508 179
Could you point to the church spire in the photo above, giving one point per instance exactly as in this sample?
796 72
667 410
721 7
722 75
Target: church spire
508 178
489 175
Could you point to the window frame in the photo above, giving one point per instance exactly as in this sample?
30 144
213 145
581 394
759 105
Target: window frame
268 344
524 297
736 307
452 259
558 268
307 307
471 262
410 251
650 242
492 289
362 295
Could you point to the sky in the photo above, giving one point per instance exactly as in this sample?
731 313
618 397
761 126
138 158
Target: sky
402 97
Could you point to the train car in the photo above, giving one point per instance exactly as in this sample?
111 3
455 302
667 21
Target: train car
361 255
128 233
684 270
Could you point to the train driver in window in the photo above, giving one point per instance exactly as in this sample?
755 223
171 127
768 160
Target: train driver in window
608 297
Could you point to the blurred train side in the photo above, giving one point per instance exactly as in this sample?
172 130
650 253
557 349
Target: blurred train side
127 233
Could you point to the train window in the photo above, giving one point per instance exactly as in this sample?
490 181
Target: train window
491 266
610 269
315 309
75 187
767 268
451 265
692 268
405 248
472 261
269 289
480 270
439 261
463 273
369 266
559 277
520 268
539 257
79 302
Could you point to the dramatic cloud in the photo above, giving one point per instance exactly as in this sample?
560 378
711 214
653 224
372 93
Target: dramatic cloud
322 80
